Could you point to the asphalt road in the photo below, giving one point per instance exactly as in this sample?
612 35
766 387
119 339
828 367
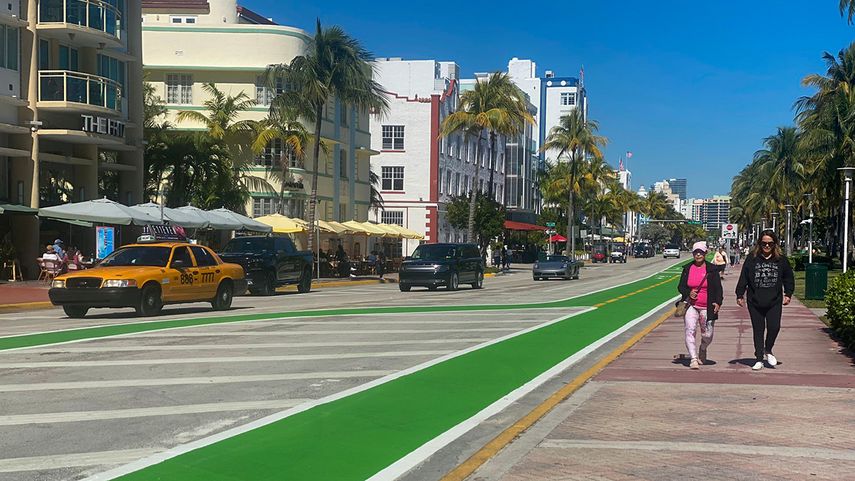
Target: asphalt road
70 411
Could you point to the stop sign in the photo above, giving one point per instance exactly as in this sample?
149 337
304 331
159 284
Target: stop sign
729 226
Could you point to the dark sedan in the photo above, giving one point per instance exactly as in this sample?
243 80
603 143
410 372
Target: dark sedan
555 266
449 265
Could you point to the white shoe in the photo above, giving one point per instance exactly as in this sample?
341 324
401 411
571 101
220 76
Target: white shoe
771 360
757 366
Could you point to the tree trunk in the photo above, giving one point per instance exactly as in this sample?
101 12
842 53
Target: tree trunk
473 195
312 214
490 191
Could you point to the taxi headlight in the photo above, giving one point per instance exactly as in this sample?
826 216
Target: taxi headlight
120 283
58 284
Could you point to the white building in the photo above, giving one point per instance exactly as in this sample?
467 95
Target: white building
552 96
664 187
631 218
420 172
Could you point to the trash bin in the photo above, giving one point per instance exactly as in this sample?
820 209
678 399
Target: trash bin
816 281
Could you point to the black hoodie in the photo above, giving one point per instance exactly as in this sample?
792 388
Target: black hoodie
766 280
715 293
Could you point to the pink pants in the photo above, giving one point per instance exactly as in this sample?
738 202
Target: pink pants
692 318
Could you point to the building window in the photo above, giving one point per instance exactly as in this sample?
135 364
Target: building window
114 70
392 178
393 137
179 19
69 58
465 184
393 217
342 164
44 55
568 98
343 116
441 179
456 188
179 89
275 153
8 47
264 95
264 206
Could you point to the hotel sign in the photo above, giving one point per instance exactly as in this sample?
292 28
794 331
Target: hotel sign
103 125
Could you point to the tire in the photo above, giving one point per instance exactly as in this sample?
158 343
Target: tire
453 282
225 295
404 287
479 280
75 312
305 284
536 278
150 301
268 287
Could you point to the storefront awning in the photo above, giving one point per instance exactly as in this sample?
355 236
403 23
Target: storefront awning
17 209
522 226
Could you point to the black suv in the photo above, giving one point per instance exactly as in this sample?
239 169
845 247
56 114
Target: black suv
449 265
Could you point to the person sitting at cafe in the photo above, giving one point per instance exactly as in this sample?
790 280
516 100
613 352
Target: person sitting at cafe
343 264
50 254
59 249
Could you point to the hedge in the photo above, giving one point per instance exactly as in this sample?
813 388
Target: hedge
840 302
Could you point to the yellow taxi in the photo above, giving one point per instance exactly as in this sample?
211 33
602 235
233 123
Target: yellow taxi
148 275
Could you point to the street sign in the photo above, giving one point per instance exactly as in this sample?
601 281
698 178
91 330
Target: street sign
550 224
729 231
693 222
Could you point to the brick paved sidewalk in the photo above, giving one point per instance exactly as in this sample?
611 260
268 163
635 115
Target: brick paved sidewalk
649 417
23 292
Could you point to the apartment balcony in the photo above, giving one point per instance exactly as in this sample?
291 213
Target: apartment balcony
69 91
86 23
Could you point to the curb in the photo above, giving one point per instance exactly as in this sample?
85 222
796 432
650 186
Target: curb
25 306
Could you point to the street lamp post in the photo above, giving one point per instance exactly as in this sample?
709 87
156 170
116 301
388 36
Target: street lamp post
847 181
775 221
810 227
789 232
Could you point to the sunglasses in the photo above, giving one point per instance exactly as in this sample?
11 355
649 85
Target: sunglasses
767 244
698 253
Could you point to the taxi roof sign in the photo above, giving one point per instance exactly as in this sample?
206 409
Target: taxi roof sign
161 233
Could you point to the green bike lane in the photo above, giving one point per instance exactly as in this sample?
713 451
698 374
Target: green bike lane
356 436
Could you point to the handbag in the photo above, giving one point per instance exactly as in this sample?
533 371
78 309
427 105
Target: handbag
682 305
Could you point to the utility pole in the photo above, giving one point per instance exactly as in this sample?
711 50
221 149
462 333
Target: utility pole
789 232
847 187
810 228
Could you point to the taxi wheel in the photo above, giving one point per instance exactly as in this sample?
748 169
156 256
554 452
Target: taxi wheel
225 294
150 301
305 284
75 312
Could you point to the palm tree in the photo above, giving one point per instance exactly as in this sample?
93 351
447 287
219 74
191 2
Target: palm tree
495 106
294 138
223 110
780 164
847 9
574 138
335 66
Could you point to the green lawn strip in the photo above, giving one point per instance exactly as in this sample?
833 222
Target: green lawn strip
41 339
355 437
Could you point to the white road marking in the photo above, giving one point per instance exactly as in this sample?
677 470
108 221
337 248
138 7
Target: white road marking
180 381
219 360
158 334
742 449
76 460
271 345
200 443
78 416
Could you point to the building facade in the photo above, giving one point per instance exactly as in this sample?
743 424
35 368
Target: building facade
715 212
421 173
71 106
179 38
679 187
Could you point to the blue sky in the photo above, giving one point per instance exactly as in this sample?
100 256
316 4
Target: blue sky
691 88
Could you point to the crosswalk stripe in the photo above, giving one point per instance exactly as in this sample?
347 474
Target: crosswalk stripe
77 416
315 333
76 460
219 360
179 381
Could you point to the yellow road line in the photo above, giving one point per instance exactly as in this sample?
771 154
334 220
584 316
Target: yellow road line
498 443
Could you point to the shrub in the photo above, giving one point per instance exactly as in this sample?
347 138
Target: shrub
840 301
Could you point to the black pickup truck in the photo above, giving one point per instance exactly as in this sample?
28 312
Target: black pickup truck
270 262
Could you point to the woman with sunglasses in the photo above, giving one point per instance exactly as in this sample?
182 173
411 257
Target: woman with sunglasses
700 285
769 282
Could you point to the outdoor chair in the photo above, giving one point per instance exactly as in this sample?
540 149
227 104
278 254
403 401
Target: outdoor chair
49 269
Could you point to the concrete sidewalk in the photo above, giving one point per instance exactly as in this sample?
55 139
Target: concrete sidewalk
647 416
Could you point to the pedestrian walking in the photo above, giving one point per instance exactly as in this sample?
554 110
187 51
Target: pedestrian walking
381 263
720 261
766 283
700 286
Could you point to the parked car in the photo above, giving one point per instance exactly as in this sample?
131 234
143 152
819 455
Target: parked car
449 265
147 276
599 253
671 250
617 255
644 250
270 262
555 266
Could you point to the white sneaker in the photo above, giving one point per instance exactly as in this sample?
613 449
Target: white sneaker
771 360
757 366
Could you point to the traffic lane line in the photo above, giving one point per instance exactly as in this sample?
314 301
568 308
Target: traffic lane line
468 467
320 332
89 416
75 460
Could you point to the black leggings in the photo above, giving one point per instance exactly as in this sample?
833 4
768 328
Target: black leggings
765 319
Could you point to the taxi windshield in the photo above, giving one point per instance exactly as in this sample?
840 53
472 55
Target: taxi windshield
137 256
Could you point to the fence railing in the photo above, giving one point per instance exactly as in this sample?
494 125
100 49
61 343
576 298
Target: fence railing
94 14
82 88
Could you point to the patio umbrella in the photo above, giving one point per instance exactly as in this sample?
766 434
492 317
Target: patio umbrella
282 224
405 233
365 228
557 238
334 227
248 224
99 211
174 216
390 231
215 220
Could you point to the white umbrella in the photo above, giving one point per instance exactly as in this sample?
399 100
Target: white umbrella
248 224
99 211
174 216
215 220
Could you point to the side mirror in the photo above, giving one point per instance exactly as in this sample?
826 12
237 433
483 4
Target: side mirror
178 264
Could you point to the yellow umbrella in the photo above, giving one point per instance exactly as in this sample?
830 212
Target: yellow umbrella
405 233
390 230
373 229
334 227
282 224
360 228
